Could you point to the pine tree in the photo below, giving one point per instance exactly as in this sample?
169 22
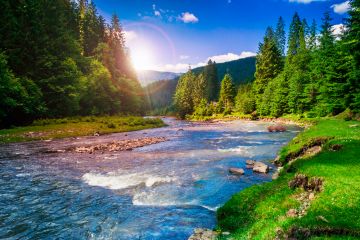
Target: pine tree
298 72
269 64
199 89
294 38
280 35
212 82
353 45
312 39
227 95
93 29
183 95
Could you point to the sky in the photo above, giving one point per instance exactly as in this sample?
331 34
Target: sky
171 35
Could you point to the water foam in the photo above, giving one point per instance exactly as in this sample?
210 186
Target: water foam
156 198
116 181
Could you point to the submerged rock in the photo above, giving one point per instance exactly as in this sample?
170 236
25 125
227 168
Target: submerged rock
203 234
237 171
276 128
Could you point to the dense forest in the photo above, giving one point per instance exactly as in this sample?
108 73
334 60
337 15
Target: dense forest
315 74
160 94
60 58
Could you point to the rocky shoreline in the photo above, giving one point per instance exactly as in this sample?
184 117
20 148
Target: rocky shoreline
117 146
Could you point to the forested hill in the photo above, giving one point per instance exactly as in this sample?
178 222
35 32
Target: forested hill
160 94
241 70
147 77
59 59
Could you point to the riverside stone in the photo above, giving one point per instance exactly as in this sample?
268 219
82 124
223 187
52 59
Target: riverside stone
237 171
203 234
260 167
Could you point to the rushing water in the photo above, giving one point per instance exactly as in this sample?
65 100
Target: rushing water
161 191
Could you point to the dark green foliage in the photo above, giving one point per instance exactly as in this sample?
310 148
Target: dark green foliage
50 48
280 35
100 95
320 76
20 98
352 43
241 70
212 85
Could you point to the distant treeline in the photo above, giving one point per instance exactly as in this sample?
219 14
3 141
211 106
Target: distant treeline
60 58
318 76
160 94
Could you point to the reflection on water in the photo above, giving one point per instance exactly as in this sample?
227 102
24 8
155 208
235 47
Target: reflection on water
162 191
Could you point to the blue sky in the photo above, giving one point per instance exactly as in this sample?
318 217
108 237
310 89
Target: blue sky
168 35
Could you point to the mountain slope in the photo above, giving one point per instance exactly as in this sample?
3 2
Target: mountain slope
160 94
241 70
147 77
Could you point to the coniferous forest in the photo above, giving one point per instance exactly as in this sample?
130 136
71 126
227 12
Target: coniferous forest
312 72
60 58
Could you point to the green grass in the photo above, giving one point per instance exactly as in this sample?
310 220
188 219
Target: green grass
259 212
76 126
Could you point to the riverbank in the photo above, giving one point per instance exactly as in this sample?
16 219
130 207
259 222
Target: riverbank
314 196
47 129
286 119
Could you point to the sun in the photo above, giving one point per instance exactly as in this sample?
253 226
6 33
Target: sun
142 57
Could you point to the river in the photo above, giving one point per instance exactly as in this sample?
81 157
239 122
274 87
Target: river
161 191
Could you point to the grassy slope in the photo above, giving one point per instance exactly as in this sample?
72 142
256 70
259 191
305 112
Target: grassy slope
260 211
78 126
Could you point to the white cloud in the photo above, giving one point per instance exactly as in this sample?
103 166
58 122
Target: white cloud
183 67
231 56
306 1
338 30
183 57
156 12
187 17
130 36
341 8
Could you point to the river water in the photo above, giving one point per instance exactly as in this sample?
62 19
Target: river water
161 191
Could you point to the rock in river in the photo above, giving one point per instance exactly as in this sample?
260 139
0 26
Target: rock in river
237 171
260 167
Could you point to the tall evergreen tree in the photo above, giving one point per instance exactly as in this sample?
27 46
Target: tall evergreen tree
312 38
280 35
183 95
212 82
294 38
269 64
227 95
353 45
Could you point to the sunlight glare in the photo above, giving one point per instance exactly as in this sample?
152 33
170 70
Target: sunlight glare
142 57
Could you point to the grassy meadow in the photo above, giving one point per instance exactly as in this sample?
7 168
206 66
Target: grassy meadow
45 129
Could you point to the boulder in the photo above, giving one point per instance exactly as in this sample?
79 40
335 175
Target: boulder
237 171
260 167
